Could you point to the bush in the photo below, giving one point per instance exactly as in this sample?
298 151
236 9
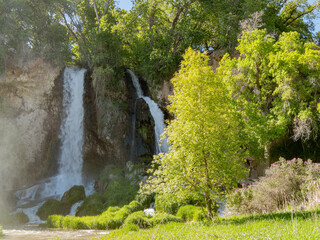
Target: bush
112 218
239 200
166 204
54 221
138 218
1 231
162 218
190 212
170 204
285 183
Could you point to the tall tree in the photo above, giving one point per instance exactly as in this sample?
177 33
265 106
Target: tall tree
205 154
275 85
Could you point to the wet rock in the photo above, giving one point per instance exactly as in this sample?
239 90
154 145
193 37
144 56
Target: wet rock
52 207
73 195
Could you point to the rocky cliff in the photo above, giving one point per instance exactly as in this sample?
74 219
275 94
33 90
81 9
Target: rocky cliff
30 108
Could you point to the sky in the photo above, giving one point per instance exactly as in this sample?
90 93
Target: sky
127 4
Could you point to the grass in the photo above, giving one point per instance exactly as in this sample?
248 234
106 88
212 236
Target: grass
299 225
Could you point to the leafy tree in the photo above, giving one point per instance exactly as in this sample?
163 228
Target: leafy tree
205 155
295 15
275 85
31 27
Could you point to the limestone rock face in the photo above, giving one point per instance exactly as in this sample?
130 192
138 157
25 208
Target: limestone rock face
106 122
30 107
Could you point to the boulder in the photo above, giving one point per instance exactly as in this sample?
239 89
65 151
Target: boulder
52 207
73 195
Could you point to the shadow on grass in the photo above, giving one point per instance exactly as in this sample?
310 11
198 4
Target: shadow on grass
286 216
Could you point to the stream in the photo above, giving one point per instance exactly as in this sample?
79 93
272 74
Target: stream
35 233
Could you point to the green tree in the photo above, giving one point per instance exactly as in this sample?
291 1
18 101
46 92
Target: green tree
205 154
275 85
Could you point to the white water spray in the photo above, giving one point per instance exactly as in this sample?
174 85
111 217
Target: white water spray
157 114
71 158
70 164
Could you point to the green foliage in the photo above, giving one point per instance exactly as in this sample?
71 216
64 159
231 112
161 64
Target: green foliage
32 28
167 203
289 225
138 218
285 183
204 156
145 199
190 212
142 221
112 218
274 84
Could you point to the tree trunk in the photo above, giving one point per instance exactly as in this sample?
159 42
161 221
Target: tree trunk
208 204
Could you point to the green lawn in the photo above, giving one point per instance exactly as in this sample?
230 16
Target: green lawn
303 225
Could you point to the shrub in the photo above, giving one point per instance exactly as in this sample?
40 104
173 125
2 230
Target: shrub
1 231
162 218
112 218
285 183
190 212
130 227
139 219
54 221
239 200
170 204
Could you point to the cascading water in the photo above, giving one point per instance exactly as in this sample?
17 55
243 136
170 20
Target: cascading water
70 164
157 114
70 161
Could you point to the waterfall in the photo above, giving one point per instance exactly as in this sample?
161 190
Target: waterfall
71 138
157 114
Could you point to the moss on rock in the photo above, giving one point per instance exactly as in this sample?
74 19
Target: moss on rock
52 206
92 205
73 195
